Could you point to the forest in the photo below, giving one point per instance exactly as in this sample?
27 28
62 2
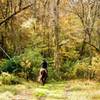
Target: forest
65 34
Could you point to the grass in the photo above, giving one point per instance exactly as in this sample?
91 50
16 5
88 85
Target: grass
63 90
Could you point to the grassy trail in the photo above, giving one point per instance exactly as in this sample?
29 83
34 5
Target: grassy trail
66 90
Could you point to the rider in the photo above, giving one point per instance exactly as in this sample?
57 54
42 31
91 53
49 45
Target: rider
44 64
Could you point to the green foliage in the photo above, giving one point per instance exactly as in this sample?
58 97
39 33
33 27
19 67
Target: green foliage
77 69
26 65
52 74
40 95
9 66
30 61
9 79
67 71
31 38
33 56
84 70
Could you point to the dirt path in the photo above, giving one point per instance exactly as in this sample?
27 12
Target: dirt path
70 90
48 92
83 90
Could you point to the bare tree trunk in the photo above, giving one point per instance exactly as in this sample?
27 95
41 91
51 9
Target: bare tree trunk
56 32
98 33
33 8
87 13
82 47
90 49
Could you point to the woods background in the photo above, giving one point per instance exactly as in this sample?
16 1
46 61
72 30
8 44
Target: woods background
64 32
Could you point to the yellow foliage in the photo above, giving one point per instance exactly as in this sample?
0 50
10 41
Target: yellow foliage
22 64
25 63
28 65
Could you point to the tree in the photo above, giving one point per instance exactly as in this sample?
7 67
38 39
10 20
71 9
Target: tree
87 13
56 32
8 10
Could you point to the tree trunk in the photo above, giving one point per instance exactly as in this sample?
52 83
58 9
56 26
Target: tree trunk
90 50
98 32
56 32
82 47
3 45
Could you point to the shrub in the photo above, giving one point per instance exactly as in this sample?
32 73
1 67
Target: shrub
9 79
67 71
30 62
9 66
24 65
96 66
84 70
33 56
77 69
52 74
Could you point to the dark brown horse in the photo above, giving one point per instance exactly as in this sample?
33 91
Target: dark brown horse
43 74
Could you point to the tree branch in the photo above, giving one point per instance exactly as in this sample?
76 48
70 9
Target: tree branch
15 13
97 49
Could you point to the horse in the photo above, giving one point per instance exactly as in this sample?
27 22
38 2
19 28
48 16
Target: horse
43 74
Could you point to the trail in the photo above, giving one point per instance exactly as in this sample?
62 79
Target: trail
69 90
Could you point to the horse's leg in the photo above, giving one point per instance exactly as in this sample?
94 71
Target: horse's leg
44 79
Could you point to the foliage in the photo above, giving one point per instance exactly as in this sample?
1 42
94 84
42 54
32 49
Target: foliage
9 79
31 57
84 70
67 36
77 69
24 65
30 61
9 66
67 71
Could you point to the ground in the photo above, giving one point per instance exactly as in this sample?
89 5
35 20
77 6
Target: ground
63 90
